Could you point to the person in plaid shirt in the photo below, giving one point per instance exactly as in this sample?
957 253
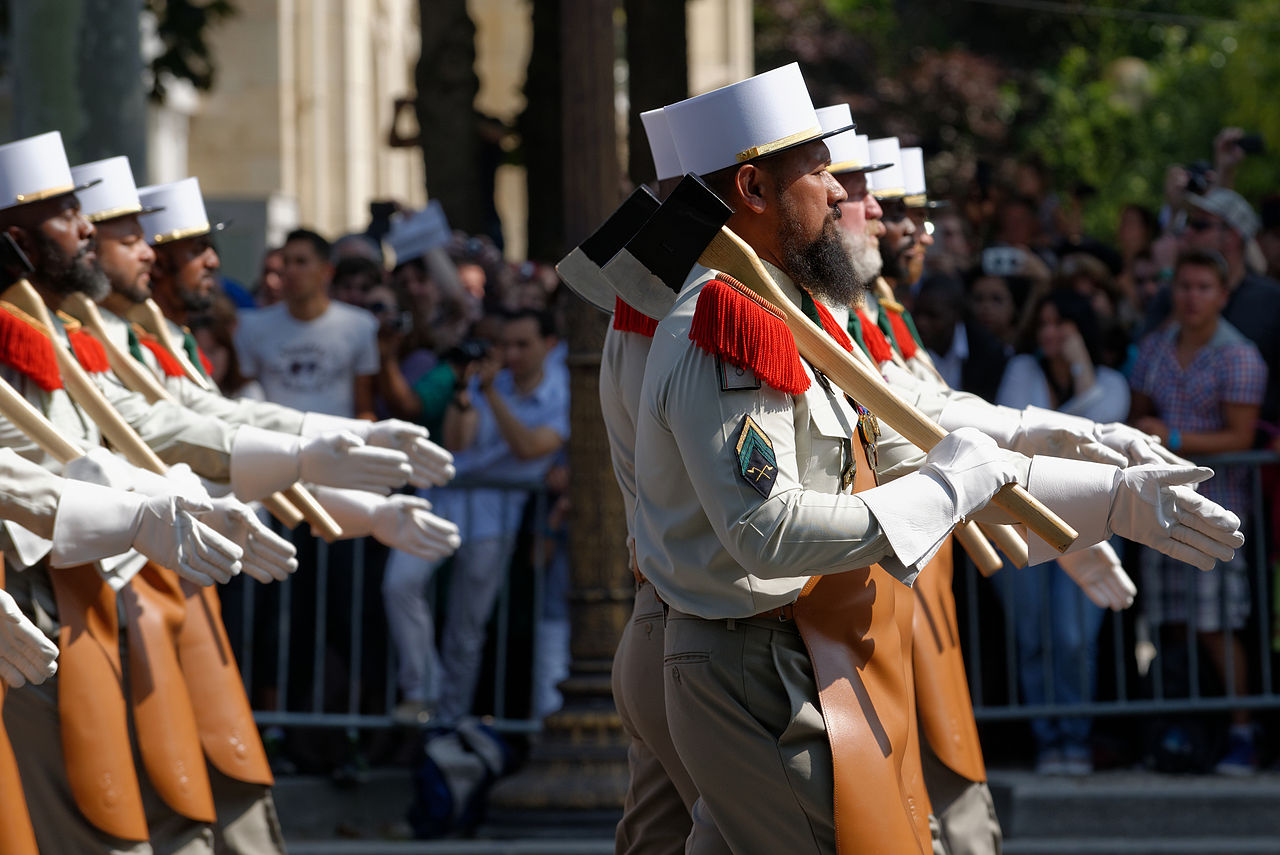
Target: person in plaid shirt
1198 384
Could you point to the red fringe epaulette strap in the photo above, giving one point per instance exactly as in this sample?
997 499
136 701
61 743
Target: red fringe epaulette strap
901 334
25 346
170 366
89 352
877 344
832 327
627 319
748 332
208 366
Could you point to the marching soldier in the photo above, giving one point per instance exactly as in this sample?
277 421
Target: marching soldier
748 525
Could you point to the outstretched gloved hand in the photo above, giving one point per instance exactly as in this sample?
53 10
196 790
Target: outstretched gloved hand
343 460
432 465
1155 505
1136 446
267 556
1098 572
401 522
25 653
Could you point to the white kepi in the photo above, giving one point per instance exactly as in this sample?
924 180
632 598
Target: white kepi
661 144
917 196
414 235
113 195
754 118
887 183
849 149
176 212
34 169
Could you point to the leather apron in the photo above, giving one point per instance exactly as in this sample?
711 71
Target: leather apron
942 688
223 715
92 707
16 834
859 647
165 722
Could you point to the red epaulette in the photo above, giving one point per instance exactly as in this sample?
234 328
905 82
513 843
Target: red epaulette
170 366
89 352
832 328
749 332
25 346
877 344
627 319
901 333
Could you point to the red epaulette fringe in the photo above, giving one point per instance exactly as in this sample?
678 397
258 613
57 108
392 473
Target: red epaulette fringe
25 346
627 319
170 366
902 333
832 327
877 344
748 332
89 352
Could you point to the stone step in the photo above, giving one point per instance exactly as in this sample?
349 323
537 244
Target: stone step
1137 806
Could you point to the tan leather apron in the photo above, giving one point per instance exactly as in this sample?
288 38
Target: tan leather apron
91 705
859 648
16 834
942 689
168 740
223 715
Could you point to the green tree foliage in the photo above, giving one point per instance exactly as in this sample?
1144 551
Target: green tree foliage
181 26
1106 93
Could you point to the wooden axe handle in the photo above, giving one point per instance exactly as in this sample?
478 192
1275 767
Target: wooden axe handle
1004 536
727 252
979 548
148 315
134 375
324 524
33 423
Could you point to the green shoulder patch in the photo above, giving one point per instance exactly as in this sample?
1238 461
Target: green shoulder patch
757 463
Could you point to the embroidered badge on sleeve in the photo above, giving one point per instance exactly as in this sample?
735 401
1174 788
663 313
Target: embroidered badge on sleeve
757 463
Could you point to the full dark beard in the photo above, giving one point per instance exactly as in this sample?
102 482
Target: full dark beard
70 274
194 301
894 260
821 267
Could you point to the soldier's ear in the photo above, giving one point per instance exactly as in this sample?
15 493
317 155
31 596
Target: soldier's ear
751 182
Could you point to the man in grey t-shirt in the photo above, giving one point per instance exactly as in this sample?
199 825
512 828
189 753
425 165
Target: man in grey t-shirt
308 351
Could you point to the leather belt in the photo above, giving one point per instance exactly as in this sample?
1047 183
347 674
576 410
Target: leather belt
781 613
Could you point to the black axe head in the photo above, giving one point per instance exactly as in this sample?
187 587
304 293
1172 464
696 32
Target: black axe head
13 259
669 244
621 226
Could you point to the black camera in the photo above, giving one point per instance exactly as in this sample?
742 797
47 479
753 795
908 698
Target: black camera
1198 177
466 352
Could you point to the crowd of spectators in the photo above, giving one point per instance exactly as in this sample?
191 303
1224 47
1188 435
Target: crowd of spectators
433 327
1171 323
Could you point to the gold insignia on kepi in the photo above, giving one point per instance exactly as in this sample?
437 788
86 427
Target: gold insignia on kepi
757 463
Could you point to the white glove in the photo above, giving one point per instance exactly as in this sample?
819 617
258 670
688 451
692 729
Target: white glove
1136 446
264 462
102 467
25 653
1030 431
399 521
267 556
95 522
959 476
1156 506
432 465
1098 572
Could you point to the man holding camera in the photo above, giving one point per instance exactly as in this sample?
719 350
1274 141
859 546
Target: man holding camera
505 422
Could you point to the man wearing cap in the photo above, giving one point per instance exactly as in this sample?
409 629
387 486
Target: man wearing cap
1222 220
43 220
743 481
662 802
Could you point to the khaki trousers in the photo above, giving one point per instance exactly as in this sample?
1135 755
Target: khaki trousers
964 808
661 803
743 711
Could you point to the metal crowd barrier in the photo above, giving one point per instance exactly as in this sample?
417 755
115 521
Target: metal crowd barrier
1137 649
344 578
